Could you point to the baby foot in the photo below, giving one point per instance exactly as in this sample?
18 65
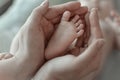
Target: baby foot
5 56
67 31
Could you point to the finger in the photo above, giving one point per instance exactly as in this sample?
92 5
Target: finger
66 16
94 22
81 11
1 56
85 58
57 10
43 8
94 65
7 56
84 35
56 20
57 17
87 28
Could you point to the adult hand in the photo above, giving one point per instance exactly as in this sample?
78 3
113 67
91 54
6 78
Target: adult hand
49 17
81 67
95 33
28 45
70 67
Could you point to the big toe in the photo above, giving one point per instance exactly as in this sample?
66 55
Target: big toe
66 16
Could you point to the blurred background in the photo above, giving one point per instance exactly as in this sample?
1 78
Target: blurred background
13 14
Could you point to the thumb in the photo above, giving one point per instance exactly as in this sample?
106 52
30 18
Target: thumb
43 8
94 23
85 58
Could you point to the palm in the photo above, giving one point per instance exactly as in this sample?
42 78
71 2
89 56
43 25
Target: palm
63 68
70 67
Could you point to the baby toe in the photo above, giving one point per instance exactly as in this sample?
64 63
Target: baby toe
75 19
78 23
66 16
81 26
80 33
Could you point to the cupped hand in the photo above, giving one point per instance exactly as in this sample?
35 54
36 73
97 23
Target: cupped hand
48 17
70 67
29 44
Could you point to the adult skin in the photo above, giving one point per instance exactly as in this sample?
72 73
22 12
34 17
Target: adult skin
82 67
28 45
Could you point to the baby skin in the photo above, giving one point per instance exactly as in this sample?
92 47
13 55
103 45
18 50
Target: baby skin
67 31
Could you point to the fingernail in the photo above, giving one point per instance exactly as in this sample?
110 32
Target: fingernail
44 2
